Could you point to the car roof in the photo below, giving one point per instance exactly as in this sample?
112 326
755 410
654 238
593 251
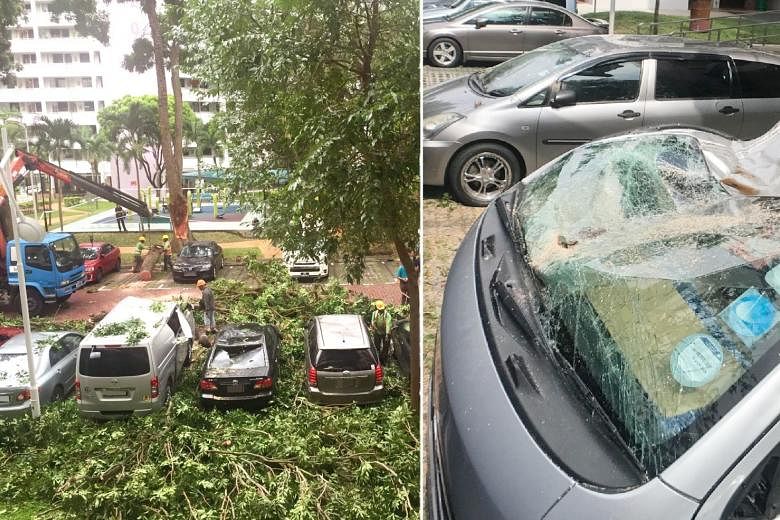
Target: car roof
16 345
235 331
128 308
342 332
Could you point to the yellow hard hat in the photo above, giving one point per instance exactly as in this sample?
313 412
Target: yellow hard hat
165 237
379 304
142 239
201 283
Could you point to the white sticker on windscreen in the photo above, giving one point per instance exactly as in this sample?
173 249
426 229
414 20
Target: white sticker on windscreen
696 360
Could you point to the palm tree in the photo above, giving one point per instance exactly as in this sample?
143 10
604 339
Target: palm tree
54 135
96 148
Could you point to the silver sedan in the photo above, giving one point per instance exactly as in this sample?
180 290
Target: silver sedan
499 31
55 361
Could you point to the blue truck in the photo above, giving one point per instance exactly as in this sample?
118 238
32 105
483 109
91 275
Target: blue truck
54 269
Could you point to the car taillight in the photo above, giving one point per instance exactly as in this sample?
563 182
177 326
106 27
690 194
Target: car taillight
155 387
24 395
264 383
78 390
207 386
379 375
312 376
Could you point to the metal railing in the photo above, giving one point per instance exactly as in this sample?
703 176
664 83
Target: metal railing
731 29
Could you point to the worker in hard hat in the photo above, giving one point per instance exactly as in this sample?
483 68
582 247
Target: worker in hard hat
208 306
138 258
381 323
166 245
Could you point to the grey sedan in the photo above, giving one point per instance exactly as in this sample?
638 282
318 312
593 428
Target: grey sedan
483 132
55 361
610 339
499 31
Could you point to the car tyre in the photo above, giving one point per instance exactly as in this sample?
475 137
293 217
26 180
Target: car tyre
188 359
445 52
118 266
482 171
98 275
168 392
34 302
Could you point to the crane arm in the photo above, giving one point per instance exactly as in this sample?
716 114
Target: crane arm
33 162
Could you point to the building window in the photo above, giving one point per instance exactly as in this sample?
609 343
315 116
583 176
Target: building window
99 81
24 34
55 32
14 107
86 82
28 58
89 106
43 8
26 8
97 57
84 57
101 104
60 83
60 106
27 82
33 106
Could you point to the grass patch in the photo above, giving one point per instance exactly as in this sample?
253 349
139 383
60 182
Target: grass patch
31 510
628 22
130 238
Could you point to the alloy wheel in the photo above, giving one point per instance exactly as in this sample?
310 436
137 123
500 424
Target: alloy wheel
485 175
444 53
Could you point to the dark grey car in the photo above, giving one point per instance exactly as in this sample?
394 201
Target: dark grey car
482 133
610 339
55 359
199 259
499 31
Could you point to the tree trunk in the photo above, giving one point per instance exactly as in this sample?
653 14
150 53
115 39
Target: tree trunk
414 321
59 191
178 205
118 177
178 108
150 260
137 178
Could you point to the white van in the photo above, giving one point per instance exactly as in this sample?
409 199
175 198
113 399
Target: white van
130 362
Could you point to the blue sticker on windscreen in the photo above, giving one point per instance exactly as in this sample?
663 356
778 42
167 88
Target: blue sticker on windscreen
696 360
750 316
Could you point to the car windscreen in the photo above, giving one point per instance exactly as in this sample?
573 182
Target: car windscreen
337 360
89 253
195 251
67 254
658 287
113 361
510 76
239 357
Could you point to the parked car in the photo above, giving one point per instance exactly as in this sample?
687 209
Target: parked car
342 365
302 267
610 338
436 10
130 362
500 31
242 366
200 259
7 333
400 336
55 361
483 133
100 258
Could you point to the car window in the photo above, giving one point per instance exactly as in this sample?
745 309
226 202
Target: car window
70 342
503 16
56 354
659 288
545 16
758 495
692 79
113 361
606 82
38 257
758 80
337 360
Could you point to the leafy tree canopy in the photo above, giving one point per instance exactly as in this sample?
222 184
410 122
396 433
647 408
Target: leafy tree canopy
10 11
330 92
139 117
88 19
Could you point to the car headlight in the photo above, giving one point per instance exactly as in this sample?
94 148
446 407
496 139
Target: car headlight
89 269
178 268
64 283
434 124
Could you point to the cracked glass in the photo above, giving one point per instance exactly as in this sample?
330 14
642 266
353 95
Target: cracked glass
658 285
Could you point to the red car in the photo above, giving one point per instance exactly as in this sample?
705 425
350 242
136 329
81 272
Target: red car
7 333
100 258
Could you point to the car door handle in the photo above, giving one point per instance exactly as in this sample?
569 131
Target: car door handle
629 114
728 110
515 31
560 31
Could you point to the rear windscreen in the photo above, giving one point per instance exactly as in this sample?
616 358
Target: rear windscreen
113 362
338 360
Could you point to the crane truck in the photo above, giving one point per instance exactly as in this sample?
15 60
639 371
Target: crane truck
53 266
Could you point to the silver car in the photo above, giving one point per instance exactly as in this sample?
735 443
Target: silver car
55 361
499 31
482 133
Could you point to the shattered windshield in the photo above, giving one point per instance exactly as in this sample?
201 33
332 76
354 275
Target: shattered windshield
658 287
195 251
67 254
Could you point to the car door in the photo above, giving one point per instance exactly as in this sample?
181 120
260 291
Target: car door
37 262
695 90
610 98
546 25
751 489
66 373
760 96
500 38
111 254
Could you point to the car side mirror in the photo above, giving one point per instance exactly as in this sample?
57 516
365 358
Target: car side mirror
564 98
479 23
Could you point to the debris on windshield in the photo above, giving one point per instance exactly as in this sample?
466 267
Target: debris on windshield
239 359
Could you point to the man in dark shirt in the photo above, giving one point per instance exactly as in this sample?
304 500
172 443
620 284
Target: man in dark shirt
208 306
120 217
